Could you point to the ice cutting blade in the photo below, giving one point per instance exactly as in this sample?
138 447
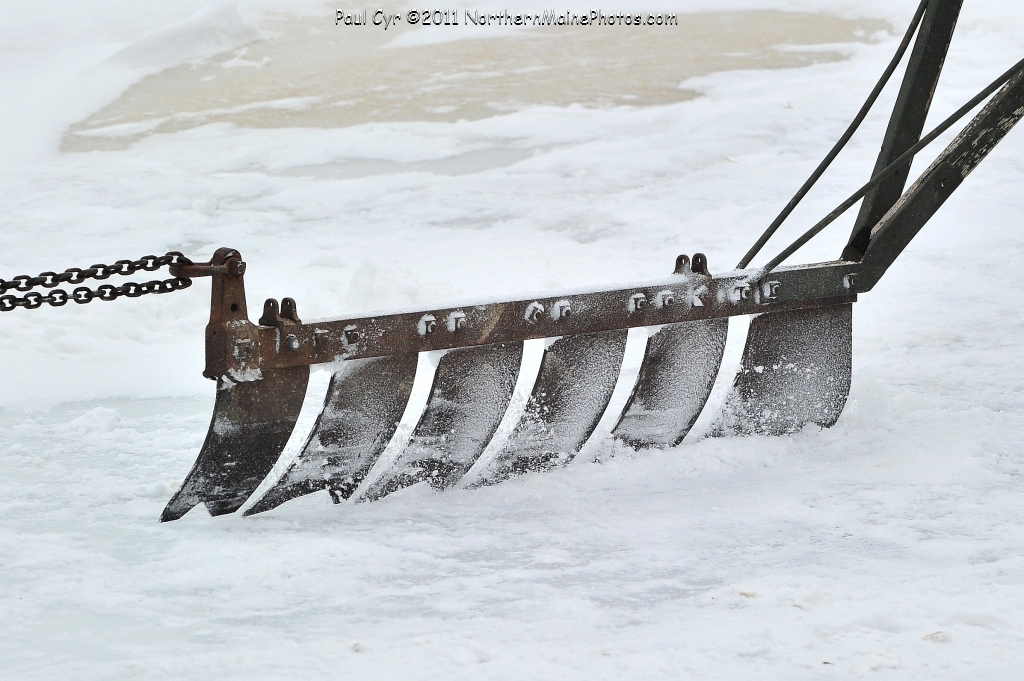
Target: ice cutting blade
364 405
795 370
471 390
576 379
679 369
251 425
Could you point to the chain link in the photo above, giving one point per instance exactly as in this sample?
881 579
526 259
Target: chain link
84 294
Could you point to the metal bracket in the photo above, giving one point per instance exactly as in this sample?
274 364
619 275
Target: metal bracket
226 349
285 320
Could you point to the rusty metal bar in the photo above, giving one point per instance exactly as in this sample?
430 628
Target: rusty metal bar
241 350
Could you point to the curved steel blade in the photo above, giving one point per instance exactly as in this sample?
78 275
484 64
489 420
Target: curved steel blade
472 388
576 380
364 405
679 369
795 370
251 425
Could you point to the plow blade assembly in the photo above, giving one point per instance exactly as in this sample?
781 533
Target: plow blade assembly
356 449
488 409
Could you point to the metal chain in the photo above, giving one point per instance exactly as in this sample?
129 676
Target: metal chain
84 294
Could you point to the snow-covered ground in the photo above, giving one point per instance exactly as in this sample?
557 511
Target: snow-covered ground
888 546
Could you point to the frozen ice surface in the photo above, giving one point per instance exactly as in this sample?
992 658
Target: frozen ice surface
889 546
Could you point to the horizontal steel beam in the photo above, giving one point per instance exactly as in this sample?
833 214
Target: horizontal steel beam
241 350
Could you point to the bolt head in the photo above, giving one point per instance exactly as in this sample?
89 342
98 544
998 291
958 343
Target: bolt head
663 299
561 310
427 325
456 321
292 342
533 312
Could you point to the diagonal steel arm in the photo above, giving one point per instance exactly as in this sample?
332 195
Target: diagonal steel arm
906 218
908 117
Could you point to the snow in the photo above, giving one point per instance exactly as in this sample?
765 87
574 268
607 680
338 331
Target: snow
210 31
888 546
